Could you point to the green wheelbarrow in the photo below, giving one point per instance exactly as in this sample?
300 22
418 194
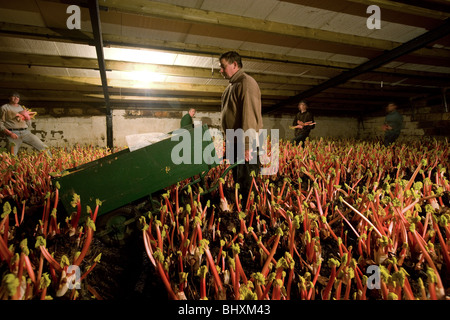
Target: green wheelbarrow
124 177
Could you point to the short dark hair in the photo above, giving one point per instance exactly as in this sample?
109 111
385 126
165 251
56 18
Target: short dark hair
14 94
232 56
304 102
393 102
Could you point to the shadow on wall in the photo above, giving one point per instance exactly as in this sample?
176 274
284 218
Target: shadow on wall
206 120
279 126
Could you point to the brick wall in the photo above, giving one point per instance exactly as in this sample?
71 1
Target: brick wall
423 118
62 127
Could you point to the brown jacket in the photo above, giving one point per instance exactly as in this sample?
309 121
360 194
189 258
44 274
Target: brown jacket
241 104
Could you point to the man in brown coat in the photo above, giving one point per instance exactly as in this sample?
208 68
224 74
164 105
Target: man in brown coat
241 112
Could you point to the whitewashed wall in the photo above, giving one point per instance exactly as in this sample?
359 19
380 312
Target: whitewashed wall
91 130
84 130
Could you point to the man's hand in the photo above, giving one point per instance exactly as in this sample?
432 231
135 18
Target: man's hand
11 134
300 124
25 115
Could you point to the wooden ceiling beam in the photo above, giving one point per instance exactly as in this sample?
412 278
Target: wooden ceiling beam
405 8
42 33
407 47
31 60
59 81
211 18
408 15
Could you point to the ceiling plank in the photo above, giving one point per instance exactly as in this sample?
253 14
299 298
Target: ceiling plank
31 60
42 33
412 16
405 8
409 46
197 16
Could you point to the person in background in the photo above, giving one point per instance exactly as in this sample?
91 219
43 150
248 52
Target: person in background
393 124
186 121
15 122
241 109
303 123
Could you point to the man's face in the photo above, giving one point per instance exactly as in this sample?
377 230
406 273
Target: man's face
302 107
192 112
390 107
14 99
228 70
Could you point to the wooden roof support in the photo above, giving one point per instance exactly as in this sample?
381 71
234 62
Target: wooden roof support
407 47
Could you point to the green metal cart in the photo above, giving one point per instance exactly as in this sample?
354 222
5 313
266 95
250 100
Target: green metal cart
125 176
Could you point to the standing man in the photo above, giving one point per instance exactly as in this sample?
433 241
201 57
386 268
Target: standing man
15 122
303 123
241 112
393 124
186 121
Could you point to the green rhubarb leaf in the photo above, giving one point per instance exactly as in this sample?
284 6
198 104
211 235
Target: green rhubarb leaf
421 285
245 293
76 255
40 241
11 282
232 263
392 296
45 281
97 258
432 277
24 246
235 248
6 209
259 278
203 244
333 263
158 255
202 271
64 261
183 276
90 223
75 200
282 263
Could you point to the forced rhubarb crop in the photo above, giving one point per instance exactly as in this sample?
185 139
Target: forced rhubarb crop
336 215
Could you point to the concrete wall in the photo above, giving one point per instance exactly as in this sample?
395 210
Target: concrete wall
76 127
370 128
421 119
